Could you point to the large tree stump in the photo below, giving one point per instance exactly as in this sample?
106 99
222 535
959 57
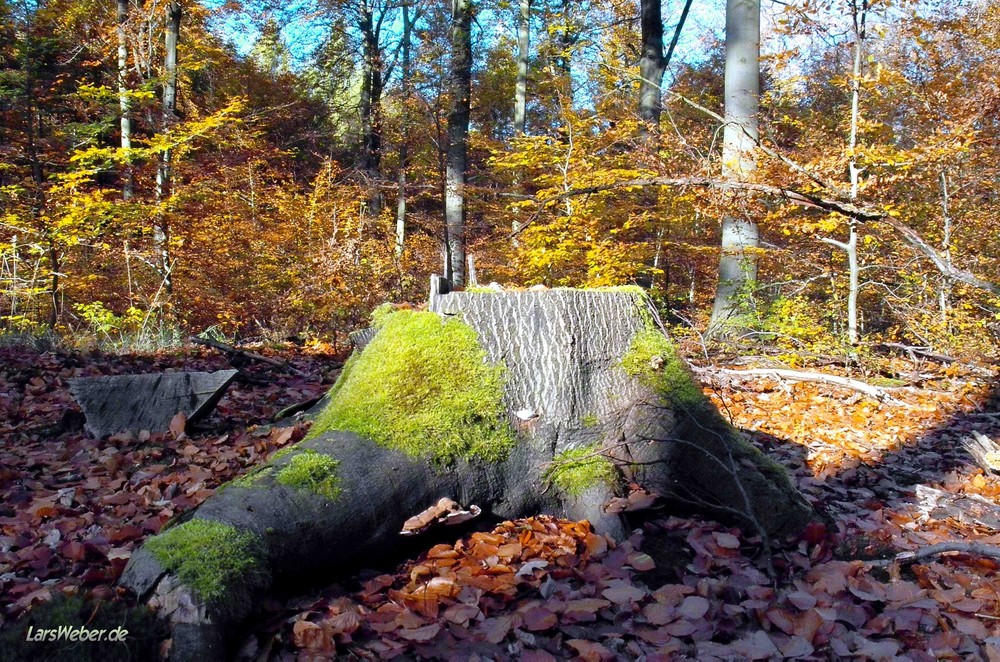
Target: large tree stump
514 402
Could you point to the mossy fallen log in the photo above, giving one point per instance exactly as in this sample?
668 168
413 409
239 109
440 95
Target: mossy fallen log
513 402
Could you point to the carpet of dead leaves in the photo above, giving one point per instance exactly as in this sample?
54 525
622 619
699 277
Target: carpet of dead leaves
543 588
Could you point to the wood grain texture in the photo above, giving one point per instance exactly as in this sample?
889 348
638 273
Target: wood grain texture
132 403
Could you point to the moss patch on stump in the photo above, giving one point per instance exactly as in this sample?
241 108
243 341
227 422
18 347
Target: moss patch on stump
205 555
422 386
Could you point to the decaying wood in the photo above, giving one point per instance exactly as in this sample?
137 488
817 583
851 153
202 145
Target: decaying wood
984 450
971 548
871 391
253 356
937 504
133 403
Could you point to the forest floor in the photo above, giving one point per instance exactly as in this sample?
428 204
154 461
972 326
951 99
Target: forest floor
891 478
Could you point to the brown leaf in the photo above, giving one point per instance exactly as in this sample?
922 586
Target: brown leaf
621 595
345 623
658 613
310 636
495 629
590 651
421 634
539 618
641 562
177 425
693 607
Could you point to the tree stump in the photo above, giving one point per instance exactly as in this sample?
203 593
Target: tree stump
514 403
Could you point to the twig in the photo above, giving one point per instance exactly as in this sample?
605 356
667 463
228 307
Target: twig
972 548
875 392
229 349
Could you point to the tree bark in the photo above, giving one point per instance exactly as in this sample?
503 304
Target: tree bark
651 67
460 88
123 100
565 390
164 174
740 236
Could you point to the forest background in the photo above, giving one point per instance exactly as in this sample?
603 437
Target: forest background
284 169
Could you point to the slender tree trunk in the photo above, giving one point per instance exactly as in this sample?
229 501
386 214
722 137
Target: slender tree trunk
164 174
521 88
404 146
859 16
123 100
852 241
945 247
371 109
651 68
740 236
460 82
521 94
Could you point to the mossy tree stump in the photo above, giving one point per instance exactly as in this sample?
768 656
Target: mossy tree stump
515 402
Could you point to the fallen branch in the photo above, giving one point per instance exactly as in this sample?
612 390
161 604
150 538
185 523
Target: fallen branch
984 450
253 356
935 504
971 548
874 392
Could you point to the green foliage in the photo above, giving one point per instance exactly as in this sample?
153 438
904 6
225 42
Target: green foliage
145 632
312 471
206 555
652 358
104 322
423 386
577 470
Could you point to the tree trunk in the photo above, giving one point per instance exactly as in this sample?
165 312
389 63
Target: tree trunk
123 100
740 237
460 84
589 396
860 17
371 109
651 68
404 141
521 87
164 174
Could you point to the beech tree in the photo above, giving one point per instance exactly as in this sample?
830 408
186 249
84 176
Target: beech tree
460 90
740 235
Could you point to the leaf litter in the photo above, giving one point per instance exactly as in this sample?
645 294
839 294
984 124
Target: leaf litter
542 588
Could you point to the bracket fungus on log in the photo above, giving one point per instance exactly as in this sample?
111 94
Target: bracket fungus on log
432 407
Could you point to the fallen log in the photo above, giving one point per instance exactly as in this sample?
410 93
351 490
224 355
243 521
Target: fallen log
133 403
874 392
508 404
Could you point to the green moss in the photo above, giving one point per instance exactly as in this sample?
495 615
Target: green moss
206 555
590 421
651 358
312 471
574 471
249 479
422 386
